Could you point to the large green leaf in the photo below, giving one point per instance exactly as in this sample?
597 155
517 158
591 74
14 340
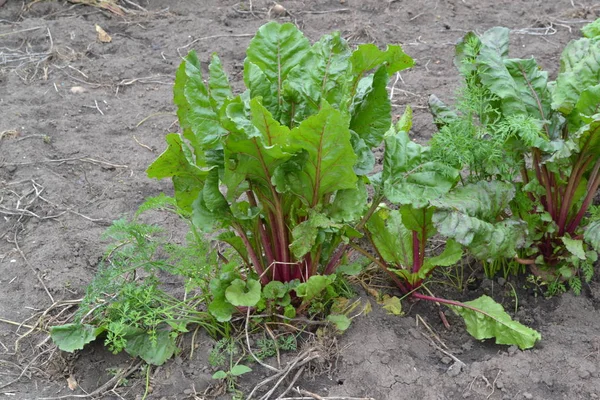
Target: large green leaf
322 75
372 110
218 84
484 200
532 84
71 337
349 204
368 56
325 139
177 162
592 235
442 114
491 321
391 238
471 215
197 111
579 70
273 52
409 176
252 151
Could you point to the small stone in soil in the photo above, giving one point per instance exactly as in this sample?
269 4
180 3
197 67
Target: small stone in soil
501 281
446 360
512 350
527 395
454 370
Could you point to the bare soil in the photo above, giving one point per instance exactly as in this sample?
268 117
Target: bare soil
73 160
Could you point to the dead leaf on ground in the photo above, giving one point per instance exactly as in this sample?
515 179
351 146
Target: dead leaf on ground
102 35
72 382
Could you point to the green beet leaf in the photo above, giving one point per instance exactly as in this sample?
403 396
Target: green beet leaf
372 111
409 175
323 75
305 233
369 56
579 70
71 337
592 30
155 349
592 235
243 294
575 247
271 55
450 256
329 167
469 215
314 287
486 319
391 238
239 369
349 204
199 113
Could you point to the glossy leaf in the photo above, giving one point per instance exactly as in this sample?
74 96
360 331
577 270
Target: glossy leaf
491 321
469 215
579 70
591 30
329 167
391 238
574 247
71 337
408 174
273 52
243 294
372 111
239 369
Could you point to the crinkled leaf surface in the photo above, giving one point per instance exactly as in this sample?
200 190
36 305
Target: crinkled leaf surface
176 162
314 286
409 176
325 138
323 74
218 83
197 111
591 30
71 337
305 233
579 70
372 110
273 52
494 322
469 215
451 255
368 56
349 204
442 114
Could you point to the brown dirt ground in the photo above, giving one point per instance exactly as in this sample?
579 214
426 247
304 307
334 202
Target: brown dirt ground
76 161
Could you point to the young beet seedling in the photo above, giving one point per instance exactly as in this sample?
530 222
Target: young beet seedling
280 169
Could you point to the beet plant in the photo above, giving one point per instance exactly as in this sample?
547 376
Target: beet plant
513 125
279 171
421 189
